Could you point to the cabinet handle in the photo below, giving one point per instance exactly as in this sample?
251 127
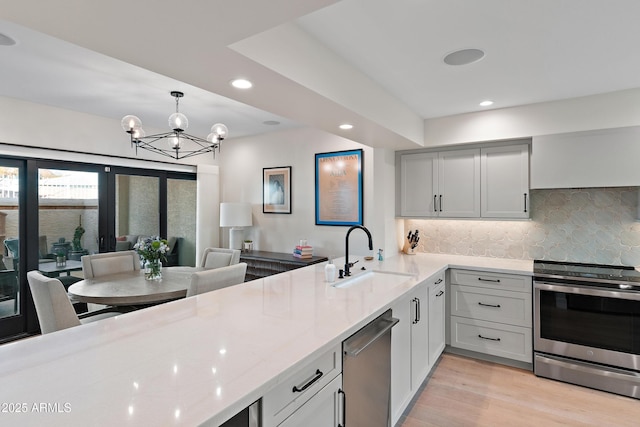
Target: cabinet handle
489 280
489 305
416 317
487 338
441 203
439 294
435 203
438 282
525 202
315 378
344 408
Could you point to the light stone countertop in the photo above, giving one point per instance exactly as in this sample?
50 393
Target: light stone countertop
200 360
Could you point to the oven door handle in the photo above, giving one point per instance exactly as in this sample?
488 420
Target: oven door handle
586 290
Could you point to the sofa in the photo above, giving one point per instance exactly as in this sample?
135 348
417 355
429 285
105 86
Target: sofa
126 243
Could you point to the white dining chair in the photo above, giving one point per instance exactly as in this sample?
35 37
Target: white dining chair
53 307
97 265
219 257
218 278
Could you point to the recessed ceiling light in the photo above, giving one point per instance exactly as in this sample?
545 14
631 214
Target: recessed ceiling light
241 83
463 57
346 126
271 122
486 103
5 40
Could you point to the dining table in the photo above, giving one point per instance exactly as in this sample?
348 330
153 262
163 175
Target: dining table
132 288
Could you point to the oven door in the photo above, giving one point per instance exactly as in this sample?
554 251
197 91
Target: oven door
586 323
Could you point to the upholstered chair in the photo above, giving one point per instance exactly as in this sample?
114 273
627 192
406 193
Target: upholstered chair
217 278
219 257
54 309
109 263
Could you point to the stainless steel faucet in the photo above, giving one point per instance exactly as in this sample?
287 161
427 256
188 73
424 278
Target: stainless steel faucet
348 264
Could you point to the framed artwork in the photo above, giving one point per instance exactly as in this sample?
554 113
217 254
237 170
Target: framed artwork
339 188
276 190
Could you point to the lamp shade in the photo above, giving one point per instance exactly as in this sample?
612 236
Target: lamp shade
235 215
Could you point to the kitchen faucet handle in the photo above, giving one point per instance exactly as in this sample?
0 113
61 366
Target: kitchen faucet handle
351 264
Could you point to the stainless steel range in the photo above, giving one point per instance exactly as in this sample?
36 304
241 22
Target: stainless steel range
587 325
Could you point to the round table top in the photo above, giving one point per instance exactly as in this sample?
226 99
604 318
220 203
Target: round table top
132 288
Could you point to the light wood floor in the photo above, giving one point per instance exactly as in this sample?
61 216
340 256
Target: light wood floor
468 392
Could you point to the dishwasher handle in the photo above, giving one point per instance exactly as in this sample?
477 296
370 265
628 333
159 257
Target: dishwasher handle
368 335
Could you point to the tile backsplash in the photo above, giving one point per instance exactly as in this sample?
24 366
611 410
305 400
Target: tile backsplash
597 225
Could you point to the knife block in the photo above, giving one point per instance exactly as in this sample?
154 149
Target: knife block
408 250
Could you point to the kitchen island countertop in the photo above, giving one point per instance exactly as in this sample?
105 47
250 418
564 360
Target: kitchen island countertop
200 360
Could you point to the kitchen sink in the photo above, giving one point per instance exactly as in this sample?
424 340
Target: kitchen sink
373 280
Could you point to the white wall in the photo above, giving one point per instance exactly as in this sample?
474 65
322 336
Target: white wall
41 126
610 110
241 164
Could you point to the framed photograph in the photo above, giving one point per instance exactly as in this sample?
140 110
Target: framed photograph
339 188
276 192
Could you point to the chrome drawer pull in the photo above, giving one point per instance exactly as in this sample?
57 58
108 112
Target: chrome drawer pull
489 305
315 378
489 280
487 338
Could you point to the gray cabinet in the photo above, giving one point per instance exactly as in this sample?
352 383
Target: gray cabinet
409 349
490 181
437 299
491 313
322 410
505 181
307 396
439 184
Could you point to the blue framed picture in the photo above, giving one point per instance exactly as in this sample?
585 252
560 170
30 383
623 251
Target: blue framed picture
339 188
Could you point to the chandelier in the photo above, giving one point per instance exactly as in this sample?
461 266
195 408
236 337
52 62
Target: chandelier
179 144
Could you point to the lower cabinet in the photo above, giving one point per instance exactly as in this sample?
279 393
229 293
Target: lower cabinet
408 336
308 396
416 341
491 313
437 306
322 410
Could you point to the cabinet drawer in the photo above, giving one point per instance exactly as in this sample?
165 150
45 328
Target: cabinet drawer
513 308
511 342
512 282
436 280
300 386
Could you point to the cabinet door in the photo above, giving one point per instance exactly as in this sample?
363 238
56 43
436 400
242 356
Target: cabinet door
459 183
401 358
418 178
322 410
409 351
419 337
505 181
436 321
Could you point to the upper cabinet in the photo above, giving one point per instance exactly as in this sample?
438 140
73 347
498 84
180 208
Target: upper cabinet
445 184
505 181
459 183
418 185
487 182
598 158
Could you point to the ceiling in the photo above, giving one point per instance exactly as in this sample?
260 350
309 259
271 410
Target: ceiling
377 64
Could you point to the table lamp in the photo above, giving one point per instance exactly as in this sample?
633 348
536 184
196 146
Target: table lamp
236 216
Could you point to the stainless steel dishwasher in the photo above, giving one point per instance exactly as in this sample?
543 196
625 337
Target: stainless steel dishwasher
366 374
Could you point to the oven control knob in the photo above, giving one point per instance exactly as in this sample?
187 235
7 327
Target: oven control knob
590 353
